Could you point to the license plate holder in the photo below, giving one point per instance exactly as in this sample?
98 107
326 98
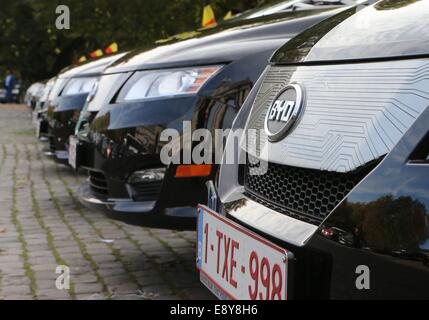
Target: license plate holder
235 263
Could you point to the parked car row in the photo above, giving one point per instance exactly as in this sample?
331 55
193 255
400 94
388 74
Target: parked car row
321 188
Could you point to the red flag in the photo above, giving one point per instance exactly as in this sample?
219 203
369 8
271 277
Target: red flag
96 53
113 48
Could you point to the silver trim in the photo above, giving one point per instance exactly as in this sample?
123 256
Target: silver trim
118 205
354 113
273 223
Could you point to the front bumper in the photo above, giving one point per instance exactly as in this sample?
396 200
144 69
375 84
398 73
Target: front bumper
114 197
141 213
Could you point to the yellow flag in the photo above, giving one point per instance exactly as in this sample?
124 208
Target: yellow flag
113 48
96 53
209 19
228 15
82 59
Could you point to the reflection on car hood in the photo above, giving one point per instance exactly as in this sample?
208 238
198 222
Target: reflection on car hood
90 68
225 43
386 29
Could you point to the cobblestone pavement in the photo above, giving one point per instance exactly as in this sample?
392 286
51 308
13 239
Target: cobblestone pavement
42 225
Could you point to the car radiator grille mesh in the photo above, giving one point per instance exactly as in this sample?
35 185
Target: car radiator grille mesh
146 191
305 194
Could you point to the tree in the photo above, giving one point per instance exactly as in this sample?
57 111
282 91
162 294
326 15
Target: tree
31 44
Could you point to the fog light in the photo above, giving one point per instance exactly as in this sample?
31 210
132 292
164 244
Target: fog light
149 175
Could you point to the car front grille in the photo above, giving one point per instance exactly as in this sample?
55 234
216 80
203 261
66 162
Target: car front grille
305 194
98 182
146 191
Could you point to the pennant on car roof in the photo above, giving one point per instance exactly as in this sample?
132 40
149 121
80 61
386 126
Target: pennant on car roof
113 48
209 19
228 15
96 53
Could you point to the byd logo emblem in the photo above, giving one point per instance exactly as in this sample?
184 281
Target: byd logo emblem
284 112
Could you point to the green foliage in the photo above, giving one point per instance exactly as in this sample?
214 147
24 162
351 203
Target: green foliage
29 38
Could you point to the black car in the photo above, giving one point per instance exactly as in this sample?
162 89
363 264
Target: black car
66 100
201 81
336 193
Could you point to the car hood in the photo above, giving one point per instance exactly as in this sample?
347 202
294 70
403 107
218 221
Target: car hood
225 43
90 68
384 30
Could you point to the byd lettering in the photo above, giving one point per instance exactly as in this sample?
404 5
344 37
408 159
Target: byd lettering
281 110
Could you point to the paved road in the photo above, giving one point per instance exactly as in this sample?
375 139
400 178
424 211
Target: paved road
42 225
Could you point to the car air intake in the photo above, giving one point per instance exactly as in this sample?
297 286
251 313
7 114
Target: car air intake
305 194
98 182
146 191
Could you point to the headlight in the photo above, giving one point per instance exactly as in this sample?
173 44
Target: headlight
79 86
164 83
